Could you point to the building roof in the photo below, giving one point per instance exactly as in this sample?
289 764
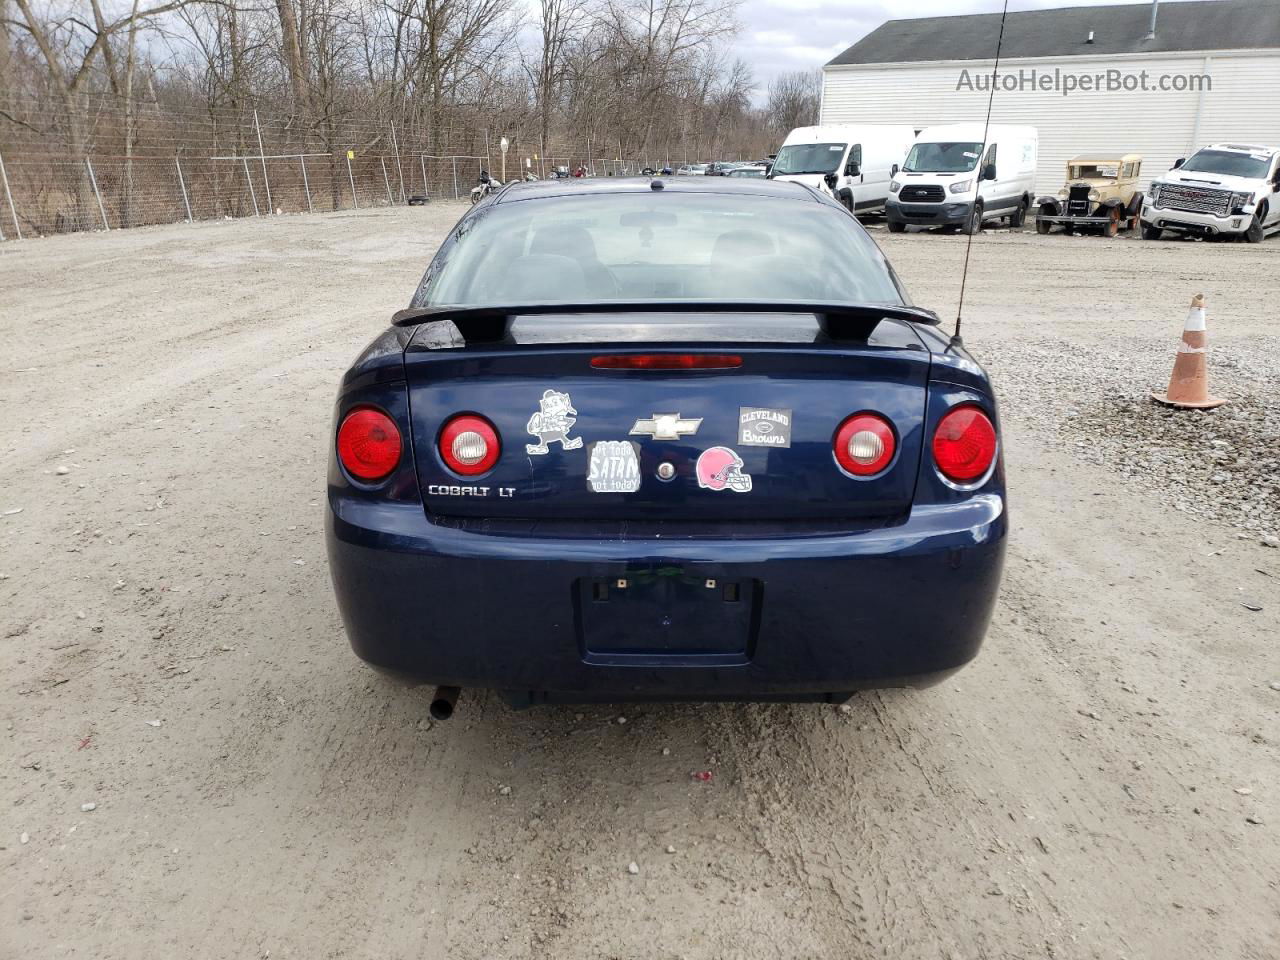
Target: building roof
1197 25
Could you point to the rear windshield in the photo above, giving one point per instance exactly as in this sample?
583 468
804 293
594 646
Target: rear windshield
656 246
943 157
808 158
1229 164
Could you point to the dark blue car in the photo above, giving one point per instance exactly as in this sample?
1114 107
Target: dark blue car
665 440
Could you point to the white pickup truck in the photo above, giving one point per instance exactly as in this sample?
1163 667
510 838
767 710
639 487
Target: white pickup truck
1225 188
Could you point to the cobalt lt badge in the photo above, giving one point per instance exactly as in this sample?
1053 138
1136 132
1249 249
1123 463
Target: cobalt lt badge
553 422
614 467
720 468
764 427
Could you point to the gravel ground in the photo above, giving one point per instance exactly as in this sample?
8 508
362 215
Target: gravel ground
1085 380
1221 464
198 767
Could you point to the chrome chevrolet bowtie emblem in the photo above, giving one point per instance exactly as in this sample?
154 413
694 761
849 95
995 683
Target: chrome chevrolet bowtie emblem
666 426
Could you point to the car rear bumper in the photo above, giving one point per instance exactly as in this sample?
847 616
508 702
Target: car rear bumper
1187 221
443 603
928 214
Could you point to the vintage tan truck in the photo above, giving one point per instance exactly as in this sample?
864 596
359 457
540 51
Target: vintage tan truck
1101 195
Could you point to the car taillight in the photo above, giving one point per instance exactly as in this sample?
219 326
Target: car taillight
864 444
469 445
368 444
964 445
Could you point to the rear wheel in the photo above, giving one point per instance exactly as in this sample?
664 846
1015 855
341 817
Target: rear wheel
897 226
1019 216
1256 232
974 223
1043 226
1113 224
1151 233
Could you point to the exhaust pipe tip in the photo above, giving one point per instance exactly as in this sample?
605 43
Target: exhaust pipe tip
443 702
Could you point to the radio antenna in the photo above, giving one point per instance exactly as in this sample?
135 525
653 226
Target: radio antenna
995 74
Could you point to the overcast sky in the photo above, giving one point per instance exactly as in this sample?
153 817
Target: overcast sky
780 35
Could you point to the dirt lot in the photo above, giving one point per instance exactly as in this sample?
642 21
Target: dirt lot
1103 782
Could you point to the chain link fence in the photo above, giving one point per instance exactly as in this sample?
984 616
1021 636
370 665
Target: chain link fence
42 195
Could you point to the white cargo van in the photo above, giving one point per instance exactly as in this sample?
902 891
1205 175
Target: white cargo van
952 177
863 158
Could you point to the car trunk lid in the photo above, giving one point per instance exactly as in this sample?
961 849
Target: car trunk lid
751 440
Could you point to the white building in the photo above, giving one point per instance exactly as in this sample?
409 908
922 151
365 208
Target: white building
1173 77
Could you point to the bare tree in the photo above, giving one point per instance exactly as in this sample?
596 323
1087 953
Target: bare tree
135 79
560 21
56 38
655 46
5 81
290 13
794 99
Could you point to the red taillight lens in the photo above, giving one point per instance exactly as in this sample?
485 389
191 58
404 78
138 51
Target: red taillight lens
864 444
667 361
368 444
469 445
964 445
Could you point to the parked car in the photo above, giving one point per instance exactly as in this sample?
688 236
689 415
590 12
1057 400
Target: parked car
691 170
561 172
1225 189
747 170
598 473
955 178
863 157
721 168
1101 193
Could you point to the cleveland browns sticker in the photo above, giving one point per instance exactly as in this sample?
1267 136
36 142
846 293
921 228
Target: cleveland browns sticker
764 427
720 468
552 423
614 466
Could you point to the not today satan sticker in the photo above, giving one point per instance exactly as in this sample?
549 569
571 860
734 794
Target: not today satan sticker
764 427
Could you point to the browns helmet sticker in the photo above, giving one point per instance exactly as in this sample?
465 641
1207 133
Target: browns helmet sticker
720 468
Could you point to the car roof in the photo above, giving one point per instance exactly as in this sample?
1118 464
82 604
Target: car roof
740 186
1106 158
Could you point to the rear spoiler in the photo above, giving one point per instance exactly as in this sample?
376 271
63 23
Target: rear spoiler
459 326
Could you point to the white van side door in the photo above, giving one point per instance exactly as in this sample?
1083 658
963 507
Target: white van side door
988 190
850 181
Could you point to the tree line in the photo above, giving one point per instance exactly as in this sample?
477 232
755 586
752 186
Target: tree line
571 78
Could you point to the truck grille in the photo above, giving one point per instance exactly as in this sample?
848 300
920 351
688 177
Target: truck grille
1194 199
921 193
1078 202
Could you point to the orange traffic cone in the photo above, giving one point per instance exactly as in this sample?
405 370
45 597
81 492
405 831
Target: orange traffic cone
1189 385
